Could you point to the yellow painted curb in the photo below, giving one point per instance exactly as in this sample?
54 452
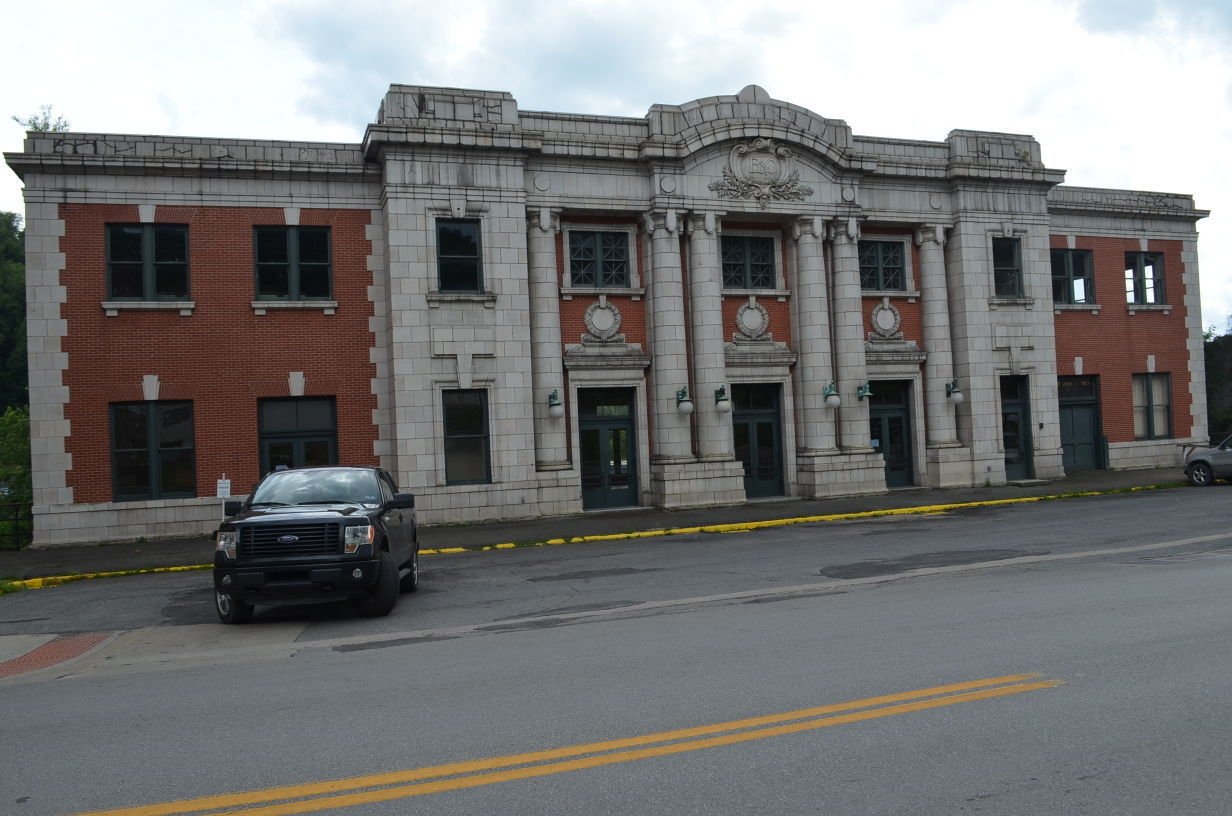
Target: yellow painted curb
57 580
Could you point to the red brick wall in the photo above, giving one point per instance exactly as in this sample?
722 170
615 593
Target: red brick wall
222 357
1114 344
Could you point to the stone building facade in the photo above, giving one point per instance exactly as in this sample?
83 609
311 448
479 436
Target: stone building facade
522 313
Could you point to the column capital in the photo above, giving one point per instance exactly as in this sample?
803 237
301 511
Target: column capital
934 233
844 230
708 221
546 219
666 220
813 225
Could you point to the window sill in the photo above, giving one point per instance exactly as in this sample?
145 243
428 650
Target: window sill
112 308
780 294
911 297
435 299
998 302
570 292
1165 308
1093 308
260 307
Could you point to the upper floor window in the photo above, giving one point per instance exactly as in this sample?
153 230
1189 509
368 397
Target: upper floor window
1144 278
1152 406
1073 278
152 451
147 261
292 263
1007 267
883 266
457 255
466 436
598 258
748 262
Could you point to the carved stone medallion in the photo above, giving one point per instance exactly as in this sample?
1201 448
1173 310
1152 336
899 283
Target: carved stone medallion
602 323
753 321
886 322
762 172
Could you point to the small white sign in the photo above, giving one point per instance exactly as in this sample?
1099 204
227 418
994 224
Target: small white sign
224 488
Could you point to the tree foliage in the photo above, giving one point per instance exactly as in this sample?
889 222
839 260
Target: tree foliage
15 456
1218 352
45 120
13 378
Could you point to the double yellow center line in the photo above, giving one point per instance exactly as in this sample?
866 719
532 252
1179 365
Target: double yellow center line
364 790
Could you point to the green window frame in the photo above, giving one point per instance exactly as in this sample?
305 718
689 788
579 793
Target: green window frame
293 263
748 262
1152 406
297 432
147 261
598 258
467 446
1007 267
459 255
1073 276
1144 279
153 454
883 266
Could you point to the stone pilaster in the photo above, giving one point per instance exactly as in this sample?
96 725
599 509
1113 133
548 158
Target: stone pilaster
714 437
547 367
671 439
849 336
815 364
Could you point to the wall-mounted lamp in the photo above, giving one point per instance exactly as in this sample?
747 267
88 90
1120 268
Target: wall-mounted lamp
684 404
556 408
954 393
864 391
830 392
721 403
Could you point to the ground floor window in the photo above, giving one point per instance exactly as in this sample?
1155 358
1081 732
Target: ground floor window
152 452
466 437
1152 406
298 432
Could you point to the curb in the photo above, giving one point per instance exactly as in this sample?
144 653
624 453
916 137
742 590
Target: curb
736 527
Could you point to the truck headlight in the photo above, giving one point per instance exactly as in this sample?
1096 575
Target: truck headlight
356 536
225 543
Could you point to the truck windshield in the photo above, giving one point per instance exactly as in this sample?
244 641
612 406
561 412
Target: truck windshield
343 486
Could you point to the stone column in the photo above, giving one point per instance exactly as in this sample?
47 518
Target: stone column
939 369
816 368
849 336
714 436
547 366
672 434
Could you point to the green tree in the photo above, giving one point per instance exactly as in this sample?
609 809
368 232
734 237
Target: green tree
45 120
13 377
1218 353
15 456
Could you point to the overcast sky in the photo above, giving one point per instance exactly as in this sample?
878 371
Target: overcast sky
1120 93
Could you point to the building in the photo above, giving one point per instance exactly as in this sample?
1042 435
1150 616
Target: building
524 313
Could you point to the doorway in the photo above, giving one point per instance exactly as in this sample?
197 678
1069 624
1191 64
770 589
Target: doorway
889 417
608 447
1016 428
758 434
1078 399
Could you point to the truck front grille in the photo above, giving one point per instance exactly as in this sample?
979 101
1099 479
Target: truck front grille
274 540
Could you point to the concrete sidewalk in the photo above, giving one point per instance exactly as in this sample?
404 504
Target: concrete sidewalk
191 552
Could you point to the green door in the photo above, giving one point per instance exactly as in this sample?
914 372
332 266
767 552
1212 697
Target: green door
1016 428
757 433
889 417
1079 404
607 442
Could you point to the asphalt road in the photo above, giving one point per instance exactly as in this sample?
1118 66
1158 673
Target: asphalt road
1068 657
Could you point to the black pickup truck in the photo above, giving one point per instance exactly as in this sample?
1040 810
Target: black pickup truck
317 534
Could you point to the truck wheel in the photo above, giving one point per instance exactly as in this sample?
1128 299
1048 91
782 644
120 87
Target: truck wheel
380 601
231 610
410 581
1200 474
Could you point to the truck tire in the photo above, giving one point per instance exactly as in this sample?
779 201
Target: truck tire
384 594
230 609
410 581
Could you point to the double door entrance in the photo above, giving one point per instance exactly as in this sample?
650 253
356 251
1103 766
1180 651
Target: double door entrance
608 447
758 436
889 419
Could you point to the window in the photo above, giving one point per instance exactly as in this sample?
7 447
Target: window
598 258
1144 278
748 262
152 453
1007 267
457 256
1073 280
882 266
466 437
292 263
298 432
147 262
1152 406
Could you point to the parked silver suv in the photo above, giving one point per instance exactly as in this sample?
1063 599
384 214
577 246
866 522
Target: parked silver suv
1204 465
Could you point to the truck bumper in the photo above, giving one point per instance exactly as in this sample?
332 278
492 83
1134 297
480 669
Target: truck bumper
285 582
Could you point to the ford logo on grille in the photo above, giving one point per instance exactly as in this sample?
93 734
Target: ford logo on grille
287 539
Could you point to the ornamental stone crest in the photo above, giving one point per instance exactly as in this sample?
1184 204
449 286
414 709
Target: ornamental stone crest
886 322
602 323
753 322
762 172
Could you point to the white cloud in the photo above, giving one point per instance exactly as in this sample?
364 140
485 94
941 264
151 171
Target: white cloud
1132 95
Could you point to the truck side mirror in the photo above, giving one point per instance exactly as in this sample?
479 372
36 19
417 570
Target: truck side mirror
403 501
232 507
